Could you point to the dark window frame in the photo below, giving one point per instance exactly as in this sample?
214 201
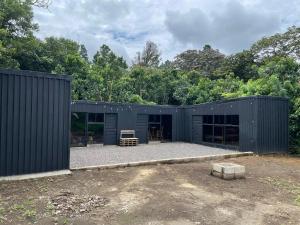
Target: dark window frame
223 121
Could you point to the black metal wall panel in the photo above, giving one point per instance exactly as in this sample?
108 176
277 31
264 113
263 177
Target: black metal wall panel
197 129
110 128
34 122
142 128
246 109
272 125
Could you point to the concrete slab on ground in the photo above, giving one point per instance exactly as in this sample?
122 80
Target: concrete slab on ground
101 156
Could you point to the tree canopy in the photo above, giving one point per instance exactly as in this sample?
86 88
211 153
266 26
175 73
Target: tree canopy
270 67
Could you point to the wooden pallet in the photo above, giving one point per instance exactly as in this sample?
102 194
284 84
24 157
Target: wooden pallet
129 142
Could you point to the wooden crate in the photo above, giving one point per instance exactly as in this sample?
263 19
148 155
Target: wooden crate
129 142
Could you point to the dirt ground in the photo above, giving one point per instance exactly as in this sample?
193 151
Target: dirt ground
179 194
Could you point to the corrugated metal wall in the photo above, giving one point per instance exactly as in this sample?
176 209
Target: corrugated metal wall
257 129
197 129
263 122
34 122
127 114
142 128
110 128
272 125
246 108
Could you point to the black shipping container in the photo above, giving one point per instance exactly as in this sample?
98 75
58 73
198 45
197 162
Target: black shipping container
255 123
34 122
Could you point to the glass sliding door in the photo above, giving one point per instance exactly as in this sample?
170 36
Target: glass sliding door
221 129
95 128
78 129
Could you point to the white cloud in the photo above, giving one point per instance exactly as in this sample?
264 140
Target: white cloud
174 25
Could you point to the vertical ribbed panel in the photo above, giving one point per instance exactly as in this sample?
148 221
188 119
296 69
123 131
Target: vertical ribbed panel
34 122
110 128
197 129
142 128
272 125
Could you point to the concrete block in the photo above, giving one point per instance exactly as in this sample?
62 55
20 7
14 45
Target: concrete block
228 170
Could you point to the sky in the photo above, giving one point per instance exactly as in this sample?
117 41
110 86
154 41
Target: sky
174 25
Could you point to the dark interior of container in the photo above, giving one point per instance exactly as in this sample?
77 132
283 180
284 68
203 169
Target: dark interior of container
78 127
95 128
87 130
221 129
160 128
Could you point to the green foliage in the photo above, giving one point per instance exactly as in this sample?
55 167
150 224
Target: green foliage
241 65
262 86
16 18
270 67
138 99
282 44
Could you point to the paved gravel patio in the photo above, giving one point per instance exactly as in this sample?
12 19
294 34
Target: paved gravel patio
97 155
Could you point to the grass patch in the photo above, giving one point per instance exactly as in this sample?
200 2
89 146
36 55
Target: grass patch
26 209
50 208
2 214
29 213
293 188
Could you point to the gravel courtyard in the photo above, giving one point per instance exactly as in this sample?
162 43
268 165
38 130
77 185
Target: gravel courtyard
96 155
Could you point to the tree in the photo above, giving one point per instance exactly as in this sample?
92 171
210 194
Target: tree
150 57
41 3
110 67
187 60
285 44
16 18
285 68
83 52
16 25
6 57
206 60
241 64
54 51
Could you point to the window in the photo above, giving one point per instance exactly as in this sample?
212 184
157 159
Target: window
232 135
154 118
221 129
219 119
207 133
95 133
219 134
96 117
232 119
78 129
95 128
207 119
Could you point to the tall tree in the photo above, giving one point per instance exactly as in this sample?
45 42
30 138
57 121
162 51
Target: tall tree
206 60
16 18
83 52
281 44
241 64
150 56
110 67
56 50
16 24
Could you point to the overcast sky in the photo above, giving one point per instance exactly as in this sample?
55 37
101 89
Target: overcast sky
125 26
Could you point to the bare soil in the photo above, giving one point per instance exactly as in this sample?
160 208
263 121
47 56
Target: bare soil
179 194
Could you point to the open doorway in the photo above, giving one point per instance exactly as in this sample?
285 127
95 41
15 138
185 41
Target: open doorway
95 128
166 127
78 129
160 128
